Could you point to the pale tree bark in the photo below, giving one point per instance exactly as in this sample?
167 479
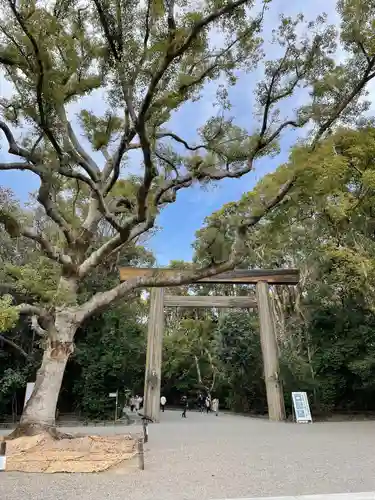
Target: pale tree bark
40 410
58 342
210 387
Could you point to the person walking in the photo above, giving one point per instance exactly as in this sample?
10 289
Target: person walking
132 403
200 402
215 406
208 404
137 403
184 402
163 401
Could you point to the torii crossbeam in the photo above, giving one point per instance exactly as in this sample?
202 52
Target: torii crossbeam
262 278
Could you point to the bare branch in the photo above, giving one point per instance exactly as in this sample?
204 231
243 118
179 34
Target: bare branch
104 22
364 51
145 40
161 135
15 229
107 248
15 346
113 166
31 310
19 166
14 148
44 198
288 123
100 300
269 205
269 99
174 52
79 154
365 78
40 82
37 328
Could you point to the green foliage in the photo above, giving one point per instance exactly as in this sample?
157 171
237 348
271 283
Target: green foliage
11 381
38 278
239 351
8 313
109 356
190 358
99 130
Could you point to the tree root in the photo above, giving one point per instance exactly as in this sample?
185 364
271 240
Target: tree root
23 430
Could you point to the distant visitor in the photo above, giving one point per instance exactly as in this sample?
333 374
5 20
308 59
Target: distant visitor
215 406
163 402
184 402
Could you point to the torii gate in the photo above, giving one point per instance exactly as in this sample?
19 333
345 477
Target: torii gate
259 277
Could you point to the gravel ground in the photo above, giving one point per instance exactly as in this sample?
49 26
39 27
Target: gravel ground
206 457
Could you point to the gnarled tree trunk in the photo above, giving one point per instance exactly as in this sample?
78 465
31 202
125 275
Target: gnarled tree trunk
39 413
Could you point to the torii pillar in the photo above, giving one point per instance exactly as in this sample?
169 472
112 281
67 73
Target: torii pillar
154 355
268 342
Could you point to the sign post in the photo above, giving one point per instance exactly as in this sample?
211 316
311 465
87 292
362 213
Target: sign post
114 395
301 408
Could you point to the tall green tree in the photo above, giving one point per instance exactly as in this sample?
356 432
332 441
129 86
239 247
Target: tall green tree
145 60
325 228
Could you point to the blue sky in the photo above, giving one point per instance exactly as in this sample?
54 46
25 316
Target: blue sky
179 221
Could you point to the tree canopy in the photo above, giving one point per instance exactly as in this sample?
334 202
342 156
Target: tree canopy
144 61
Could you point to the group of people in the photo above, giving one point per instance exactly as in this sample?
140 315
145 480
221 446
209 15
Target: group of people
206 404
136 403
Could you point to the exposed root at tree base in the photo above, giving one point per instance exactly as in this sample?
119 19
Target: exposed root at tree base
23 430
44 453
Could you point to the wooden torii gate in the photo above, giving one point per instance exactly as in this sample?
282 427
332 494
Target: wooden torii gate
159 300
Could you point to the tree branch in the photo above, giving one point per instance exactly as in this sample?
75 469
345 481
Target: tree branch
37 328
198 370
102 299
107 248
14 229
31 310
15 346
172 53
14 148
77 151
364 52
44 198
161 135
40 81
366 77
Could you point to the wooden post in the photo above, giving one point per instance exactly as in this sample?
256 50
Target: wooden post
154 355
141 454
3 458
275 396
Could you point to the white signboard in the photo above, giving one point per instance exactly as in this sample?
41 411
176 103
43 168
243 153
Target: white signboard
301 407
29 390
113 394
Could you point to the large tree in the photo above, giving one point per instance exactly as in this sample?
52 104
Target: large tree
143 61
